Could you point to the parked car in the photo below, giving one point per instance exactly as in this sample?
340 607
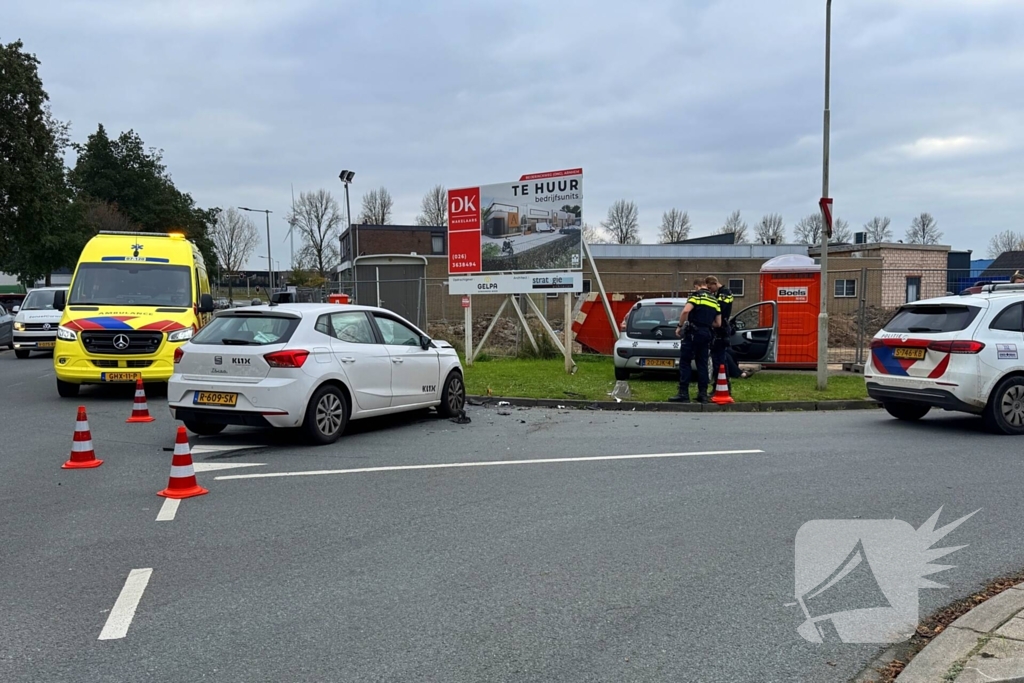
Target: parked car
314 366
648 343
545 227
6 328
569 229
958 353
36 322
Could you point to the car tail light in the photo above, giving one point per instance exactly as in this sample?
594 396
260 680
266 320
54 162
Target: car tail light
289 358
957 346
178 353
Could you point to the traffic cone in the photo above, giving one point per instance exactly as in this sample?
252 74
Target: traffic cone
182 483
140 410
82 454
721 395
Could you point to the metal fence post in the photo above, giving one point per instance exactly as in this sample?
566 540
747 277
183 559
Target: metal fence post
860 315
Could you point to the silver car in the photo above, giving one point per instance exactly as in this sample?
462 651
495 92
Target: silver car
648 342
6 328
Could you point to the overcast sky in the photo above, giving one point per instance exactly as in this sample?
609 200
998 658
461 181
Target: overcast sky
703 105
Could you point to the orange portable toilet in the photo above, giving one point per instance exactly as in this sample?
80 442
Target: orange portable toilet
338 299
793 281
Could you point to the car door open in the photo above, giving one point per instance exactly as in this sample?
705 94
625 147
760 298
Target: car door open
414 370
755 333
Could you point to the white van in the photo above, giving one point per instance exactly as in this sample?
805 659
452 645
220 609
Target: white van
545 227
36 322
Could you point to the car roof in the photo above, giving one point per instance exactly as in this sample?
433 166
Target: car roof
664 300
304 309
47 289
956 300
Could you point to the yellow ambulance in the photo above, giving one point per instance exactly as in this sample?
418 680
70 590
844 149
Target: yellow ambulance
134 298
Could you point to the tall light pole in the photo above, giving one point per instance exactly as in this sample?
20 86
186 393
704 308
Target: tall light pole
270 262
346 177
823 313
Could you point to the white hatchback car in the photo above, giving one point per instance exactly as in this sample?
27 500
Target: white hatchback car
960 353
314 366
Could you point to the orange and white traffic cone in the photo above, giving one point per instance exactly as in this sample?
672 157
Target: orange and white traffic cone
82 454
182 483
140 409
721 395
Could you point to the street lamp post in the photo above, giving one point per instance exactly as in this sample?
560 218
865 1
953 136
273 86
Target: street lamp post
823 313
346 177
270 263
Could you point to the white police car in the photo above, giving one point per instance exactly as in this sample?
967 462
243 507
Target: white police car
961 353
648 342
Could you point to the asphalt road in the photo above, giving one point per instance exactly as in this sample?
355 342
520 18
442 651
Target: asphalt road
660 569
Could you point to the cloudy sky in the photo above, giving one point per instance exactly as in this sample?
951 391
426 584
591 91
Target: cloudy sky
703 105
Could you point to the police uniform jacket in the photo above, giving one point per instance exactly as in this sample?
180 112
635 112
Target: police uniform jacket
705 308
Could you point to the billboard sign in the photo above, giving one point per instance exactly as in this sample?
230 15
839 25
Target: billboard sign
531 224
523 283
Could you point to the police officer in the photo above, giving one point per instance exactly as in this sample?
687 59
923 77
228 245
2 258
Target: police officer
720 344
1016 278
700 316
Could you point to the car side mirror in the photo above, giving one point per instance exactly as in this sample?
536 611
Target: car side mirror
738 324
424 342
15 309
206 303
60 299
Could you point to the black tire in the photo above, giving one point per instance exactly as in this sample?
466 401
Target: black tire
203 428
11 346
622 374
21 353
908 412
326 415
1004 413
453 395
67 389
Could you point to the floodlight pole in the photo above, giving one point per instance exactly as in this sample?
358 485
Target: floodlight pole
823 313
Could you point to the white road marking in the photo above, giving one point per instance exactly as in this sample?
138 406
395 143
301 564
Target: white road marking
493 463
168 510
121 615
211 466
217 449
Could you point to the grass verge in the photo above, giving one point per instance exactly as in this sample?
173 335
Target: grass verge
595 378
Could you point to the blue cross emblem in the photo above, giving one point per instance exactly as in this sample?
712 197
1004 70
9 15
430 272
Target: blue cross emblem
136 246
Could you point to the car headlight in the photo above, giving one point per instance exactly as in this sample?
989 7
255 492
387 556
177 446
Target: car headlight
19 327
66 334
181 335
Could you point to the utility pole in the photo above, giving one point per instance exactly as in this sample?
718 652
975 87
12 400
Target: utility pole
823 314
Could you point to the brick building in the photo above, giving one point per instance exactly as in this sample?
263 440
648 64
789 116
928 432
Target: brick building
905 272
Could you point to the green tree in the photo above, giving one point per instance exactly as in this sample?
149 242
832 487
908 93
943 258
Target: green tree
123 173
37 221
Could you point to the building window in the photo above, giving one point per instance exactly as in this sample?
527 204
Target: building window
845 289
913 289
437 244
736 286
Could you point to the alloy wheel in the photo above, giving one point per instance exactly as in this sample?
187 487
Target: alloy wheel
1012 405
329 414
456 394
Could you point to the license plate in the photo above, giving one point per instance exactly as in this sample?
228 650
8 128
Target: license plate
909 354
46 345
657 363
119 376
215 398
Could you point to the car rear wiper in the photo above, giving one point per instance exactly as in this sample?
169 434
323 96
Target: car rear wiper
922 329
238 342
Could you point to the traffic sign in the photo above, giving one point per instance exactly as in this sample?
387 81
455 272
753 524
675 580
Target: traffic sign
465 302
826 208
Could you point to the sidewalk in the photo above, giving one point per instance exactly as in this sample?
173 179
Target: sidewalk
984 645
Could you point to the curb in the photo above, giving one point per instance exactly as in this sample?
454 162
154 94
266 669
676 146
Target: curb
986 644
666 407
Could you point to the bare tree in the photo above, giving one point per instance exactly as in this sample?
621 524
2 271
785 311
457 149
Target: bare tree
808 230
377 206
592 235
1008 240
675 226
923 230
623 224
234 239
770 229
317 217
434 207
877 229
735 225
100 215
841 233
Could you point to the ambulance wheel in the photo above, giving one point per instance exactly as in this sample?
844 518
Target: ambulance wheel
67 389
906 411
1004 413
622 374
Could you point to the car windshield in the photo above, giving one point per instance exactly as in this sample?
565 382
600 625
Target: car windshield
39 300
654 321
131 284
247 330
932 319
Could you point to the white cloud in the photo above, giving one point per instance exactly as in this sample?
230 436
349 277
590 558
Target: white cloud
952 146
